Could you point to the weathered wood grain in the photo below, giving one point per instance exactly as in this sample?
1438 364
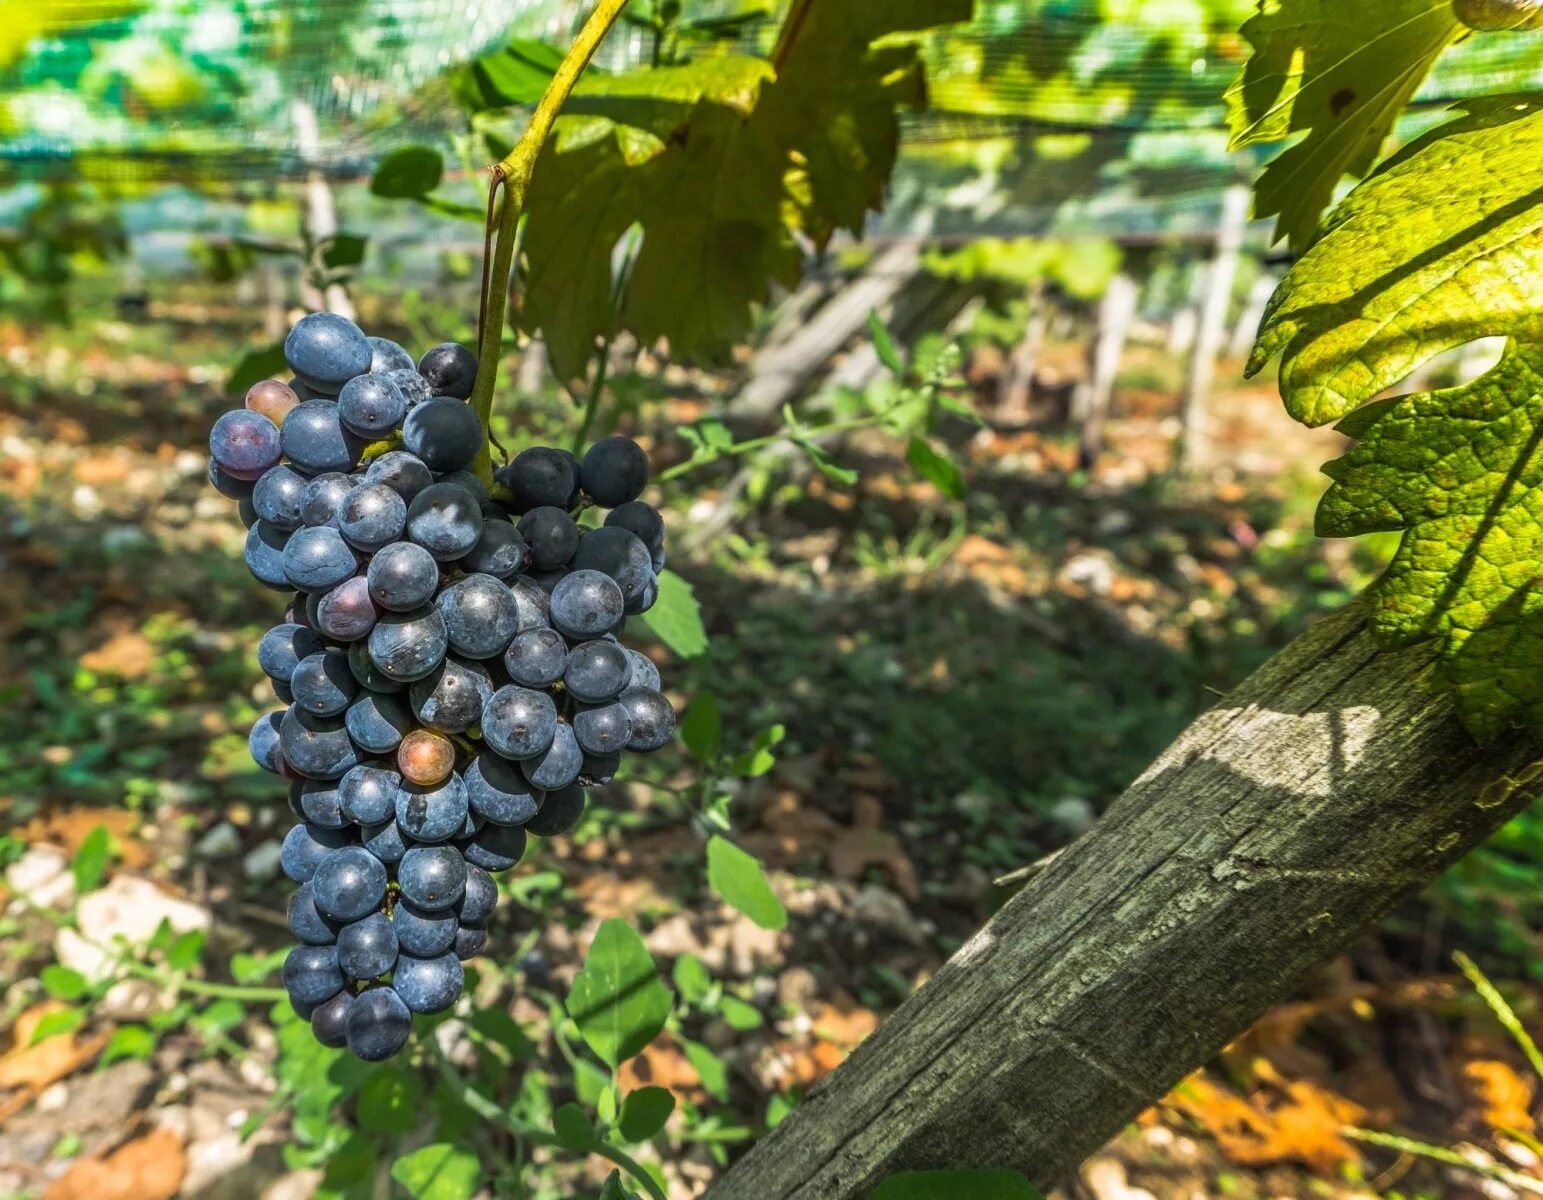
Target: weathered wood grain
1332 783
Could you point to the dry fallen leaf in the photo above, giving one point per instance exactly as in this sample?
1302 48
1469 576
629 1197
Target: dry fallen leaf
68 828
1504 1097
35 1067
1303 1126
148 1168
662 1064
126 653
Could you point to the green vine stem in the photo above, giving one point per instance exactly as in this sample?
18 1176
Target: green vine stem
515 172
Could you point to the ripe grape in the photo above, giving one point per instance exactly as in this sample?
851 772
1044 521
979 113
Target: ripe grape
408 645
642 521
551 535
500 551
423 933
368 674
349 882
282 648
432 877
428 985
325 351
413 386
402 576
320 804
371 406
346 613
444 432
560 813
599 769
400 471
601 728
378 1024
278 497
434 812
244 444
264 743
312 975
532 605
323 497
446 520
449 369
539 477
316 747
470 941
494 847
622 555
450 698
228 485
367 948
385 841
317 559
387 356
367 794
309 923
322 683
537 658
596 671
479 899
614 471
329 1019
498 791
558 765
480 616
265 554
313 438
519 722
304 846
653 719
586 604
371 516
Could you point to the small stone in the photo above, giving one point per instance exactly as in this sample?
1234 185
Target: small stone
261 862
220 842
885 913
43 876
129 908
1073 814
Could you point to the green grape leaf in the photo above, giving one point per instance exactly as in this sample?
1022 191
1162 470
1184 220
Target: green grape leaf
572 1126
740 1015
722 165
390 1101
185 950
691 979
90 862
440 1171
644 1112
1459 472
1341 74
1442 245
516 74
408 173
956 1185
740 879
714 1072
62 1020
256 365
884 345
617 1000
702 726
676 617
935 467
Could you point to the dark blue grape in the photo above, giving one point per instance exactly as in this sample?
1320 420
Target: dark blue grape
265 554
367 794
346 613
282 691
314 439
385 841
368 674
413 386
244 444
560 813
470 941
402 577
642 521
444 432
498 791
371 406
531 605
325 351
387 356
519 722
377 722
537 658
228 485
480 616
599 769
622 555
602 728
499 552
407 646
596 671
474 486
309 923
450 369
586 604
316 747
653 719
323 684
317 559
432 877
348 883
278 495
378 1024
265 744
431 814
470 826
446 520
321 805
302 392
539 477
371 516
282 648
305 846
311 974
294 798
425 934
329 1020
247 512
558 765
644 673
479 899
400 471
367 948
451 697
428 985
614 471
547 581
324 495
551 535
494 847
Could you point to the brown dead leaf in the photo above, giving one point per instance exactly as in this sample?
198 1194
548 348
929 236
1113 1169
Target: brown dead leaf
148 1168
35 1067
853 851
607 896
844 1025
662 1064
126 653
102 468
1302 1126
977 551
1503 1096
68 828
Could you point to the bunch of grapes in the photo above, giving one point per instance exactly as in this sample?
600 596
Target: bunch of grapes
451 659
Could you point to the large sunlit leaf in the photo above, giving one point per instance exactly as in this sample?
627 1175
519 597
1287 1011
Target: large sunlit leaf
618 1001
1441 246
741 880
1338 73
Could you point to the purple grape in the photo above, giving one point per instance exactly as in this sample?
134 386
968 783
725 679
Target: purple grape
346 613
244 444
378 1024
371 516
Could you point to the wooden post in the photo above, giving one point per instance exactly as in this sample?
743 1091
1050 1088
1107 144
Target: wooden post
1191 445
319 214
1090 406
1016 387
1249 320
1332 784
